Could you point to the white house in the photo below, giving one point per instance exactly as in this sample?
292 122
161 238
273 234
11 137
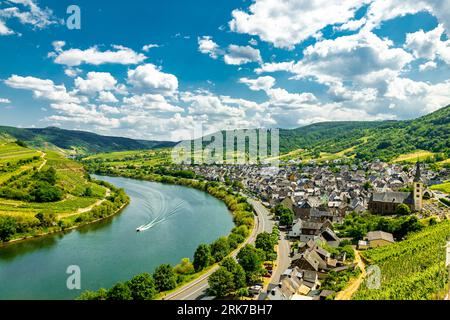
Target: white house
296 230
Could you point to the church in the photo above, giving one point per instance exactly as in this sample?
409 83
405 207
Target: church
386 203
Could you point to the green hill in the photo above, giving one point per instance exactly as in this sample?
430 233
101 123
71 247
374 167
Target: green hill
79 141
412 269
367 140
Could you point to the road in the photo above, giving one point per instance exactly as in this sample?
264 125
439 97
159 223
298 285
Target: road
197 289
43 154
354 285
283 263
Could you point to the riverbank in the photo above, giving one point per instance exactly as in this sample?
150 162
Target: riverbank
61 231
243 232
114 202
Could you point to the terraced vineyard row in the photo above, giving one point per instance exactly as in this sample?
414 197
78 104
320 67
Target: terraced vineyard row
410 269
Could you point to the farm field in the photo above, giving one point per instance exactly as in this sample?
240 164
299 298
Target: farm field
419 155
410 269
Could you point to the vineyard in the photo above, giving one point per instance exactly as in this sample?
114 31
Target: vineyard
413 269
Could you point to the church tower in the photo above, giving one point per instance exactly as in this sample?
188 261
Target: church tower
418 189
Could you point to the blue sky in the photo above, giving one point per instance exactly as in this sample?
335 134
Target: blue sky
158 69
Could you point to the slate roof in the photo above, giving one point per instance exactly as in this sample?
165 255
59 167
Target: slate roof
380 235
392 197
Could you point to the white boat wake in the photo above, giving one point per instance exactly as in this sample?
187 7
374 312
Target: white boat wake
165 212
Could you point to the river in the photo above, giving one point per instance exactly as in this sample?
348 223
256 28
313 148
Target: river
111 250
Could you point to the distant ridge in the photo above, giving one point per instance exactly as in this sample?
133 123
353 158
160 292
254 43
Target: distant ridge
361 139
81 142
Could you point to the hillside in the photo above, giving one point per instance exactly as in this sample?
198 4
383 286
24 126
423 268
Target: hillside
412 269
367 140
79 141
42 191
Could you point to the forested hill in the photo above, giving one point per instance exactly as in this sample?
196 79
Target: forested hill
364 140
368 140
80 141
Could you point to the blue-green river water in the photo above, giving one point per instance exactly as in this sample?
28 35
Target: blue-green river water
112 250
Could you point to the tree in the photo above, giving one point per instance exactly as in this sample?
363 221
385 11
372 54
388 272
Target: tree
221 283
119 292
165 278
265 242
8 227
45 192
88 192
21 143
250 258
236 269
220 249
202 257
287 219
142 287
46 219
411 224
402 210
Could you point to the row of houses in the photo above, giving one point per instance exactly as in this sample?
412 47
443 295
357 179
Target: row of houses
323 192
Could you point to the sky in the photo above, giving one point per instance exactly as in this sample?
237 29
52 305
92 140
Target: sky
159 69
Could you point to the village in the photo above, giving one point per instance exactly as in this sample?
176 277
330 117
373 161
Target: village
320 198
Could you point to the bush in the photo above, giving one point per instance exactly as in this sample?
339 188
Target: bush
8 227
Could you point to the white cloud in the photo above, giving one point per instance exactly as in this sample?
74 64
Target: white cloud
287 23
147 47
352 25
108 109
238 55
429 65
4 30
428 45
155 102
27 12
107 97
93 56
82 114
72 72
355 58
149 77
4 100
210 105
261 83
42 89
207 46
234 55
95 82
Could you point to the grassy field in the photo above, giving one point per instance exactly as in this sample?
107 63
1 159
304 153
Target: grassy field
445 187
419 155
410 269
